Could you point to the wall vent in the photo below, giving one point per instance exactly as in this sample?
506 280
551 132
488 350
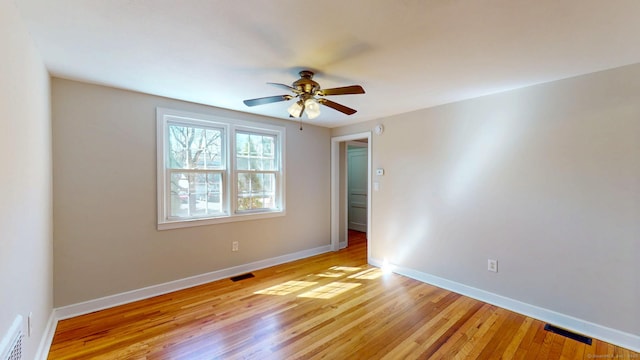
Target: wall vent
242 277
569 334
11 345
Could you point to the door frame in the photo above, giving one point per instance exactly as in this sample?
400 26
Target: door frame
336 190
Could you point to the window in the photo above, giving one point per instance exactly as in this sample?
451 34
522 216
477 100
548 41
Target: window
256 171
213 169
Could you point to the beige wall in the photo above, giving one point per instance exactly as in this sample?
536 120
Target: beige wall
544 179
106 242
25 184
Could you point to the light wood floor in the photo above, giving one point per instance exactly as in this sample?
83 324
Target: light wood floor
331 306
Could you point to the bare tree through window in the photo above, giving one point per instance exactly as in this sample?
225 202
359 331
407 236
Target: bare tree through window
198 153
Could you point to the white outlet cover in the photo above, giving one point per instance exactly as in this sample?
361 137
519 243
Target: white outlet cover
492 265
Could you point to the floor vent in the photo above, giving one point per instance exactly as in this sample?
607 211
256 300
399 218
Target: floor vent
569 334
242 277
11 345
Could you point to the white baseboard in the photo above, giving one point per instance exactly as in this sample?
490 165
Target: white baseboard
106 302
47 337
600 332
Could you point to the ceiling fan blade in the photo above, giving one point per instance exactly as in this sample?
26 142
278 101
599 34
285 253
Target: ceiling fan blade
285 87
336 106
267 100
345 90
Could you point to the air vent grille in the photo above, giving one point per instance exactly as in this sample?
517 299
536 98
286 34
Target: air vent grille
569 334
11 345
242 277
15 351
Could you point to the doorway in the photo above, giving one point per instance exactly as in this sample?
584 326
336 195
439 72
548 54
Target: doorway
357 192
339 188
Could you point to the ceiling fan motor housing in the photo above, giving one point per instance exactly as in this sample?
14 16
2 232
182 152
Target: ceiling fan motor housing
306 84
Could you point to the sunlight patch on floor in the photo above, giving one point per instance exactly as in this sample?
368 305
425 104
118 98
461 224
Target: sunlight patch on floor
286 288
345 268
330 290
325 291
369 274
330 274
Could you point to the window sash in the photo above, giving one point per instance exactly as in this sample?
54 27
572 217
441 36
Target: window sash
203 158
255 154
271 195
194 207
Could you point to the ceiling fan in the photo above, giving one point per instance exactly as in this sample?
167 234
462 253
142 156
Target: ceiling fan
310 96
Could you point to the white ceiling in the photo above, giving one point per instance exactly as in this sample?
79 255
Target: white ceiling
407 54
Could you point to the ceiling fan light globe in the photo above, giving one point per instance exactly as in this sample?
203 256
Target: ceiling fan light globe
312 108
295 109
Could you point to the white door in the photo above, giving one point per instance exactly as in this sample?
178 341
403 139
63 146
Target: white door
357 188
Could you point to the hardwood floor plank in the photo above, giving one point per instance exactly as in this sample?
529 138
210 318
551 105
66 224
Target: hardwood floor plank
488 330
514 344
523 351
455 346
571 350
557 345
497 344
451 329
330 306
545 347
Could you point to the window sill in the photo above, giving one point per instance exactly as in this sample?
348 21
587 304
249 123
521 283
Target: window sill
177 224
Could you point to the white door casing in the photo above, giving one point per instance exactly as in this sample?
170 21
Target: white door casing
336 212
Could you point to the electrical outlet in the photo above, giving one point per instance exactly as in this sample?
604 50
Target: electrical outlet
492 265
235 246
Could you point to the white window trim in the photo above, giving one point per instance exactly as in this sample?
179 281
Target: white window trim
230 126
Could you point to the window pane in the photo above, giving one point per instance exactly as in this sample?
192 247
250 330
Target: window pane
193 147
255 151
256 191
195 194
